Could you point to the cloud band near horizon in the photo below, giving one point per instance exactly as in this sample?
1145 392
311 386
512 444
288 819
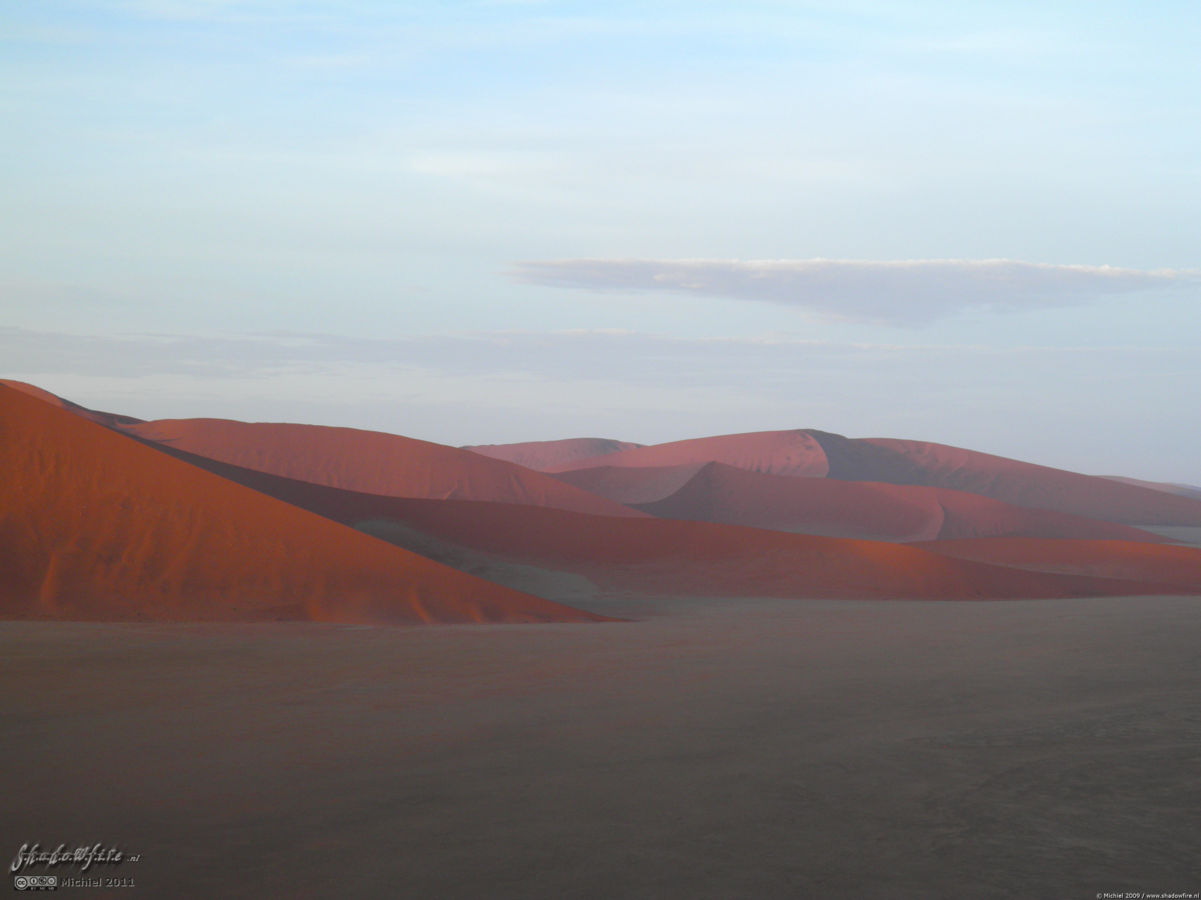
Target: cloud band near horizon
899 292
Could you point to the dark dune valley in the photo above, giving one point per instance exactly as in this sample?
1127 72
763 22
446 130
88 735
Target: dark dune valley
721 661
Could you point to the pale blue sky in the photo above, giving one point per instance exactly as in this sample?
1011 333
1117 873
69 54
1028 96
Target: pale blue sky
327 211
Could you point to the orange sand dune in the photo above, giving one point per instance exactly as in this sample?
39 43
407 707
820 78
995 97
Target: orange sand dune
1180 566
104 418
774 452
680 557
631 485
371 462
543 455
855 509
97 526
1019 483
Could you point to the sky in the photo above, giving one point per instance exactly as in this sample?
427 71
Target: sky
490 221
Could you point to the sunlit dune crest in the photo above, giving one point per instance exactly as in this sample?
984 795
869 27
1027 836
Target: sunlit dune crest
370 461
103 418
97 526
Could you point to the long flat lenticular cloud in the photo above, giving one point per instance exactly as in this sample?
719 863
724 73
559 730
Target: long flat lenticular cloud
898 292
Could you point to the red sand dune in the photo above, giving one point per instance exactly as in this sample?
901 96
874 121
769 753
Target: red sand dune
104 418
1180 566
679 557
630 485
1019 483
371 462
854 509
543 455
97 526
774 452
818 453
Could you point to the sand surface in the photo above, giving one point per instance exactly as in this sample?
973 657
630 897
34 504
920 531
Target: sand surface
724 749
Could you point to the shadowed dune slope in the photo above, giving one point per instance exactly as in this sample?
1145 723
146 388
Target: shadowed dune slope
643 484
371 462
702 558
774 452
542 455
1009 480
720 493
974 515
103 418
97 526
680 557
1184 490
1180 566
813 453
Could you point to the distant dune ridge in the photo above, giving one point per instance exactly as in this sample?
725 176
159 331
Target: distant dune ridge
793 452
1020 483
103 418
721 493
107 517
96 526
819 454
545 455
370 461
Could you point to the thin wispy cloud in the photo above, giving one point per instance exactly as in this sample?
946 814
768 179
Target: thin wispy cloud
895 291
620 357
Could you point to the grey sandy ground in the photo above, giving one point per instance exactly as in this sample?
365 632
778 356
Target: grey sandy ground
748 749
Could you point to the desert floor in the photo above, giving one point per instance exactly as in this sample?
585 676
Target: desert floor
713 749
